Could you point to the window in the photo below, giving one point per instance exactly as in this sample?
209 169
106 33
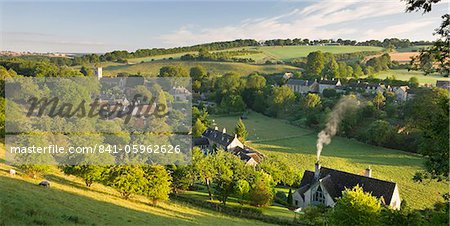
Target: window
318 196
296 202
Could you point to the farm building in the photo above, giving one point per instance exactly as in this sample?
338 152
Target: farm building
303 86
328 84
325 185
213 139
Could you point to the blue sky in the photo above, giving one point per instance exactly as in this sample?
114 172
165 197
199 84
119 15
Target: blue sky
102 26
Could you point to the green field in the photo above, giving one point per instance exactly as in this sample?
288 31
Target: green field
159 57
70 202
406 75
286 53
152 68
297 146
411 48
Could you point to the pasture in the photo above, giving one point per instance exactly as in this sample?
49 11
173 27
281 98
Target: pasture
287 53
69 202
298 146
405 75
152 68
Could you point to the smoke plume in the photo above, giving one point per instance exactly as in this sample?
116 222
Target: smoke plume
345 104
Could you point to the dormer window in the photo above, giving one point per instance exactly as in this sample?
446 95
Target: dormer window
318 196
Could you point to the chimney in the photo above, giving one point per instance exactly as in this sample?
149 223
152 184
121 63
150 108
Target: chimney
224 130
368 172
215 128
317 171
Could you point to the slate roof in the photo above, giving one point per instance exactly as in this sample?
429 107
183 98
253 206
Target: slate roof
336 182
443 84
328 82
216 136
199 141
300 82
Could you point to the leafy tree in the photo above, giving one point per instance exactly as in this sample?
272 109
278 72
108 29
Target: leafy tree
379 100
331 69
203 166
232 103
329 93
311 101
87 71
241 131
172 71
413 82
281 98
261 193
158 182
181 176
126 179
356 207
379 132
89 173
429 112
315 64
357 71
256 82
230 169
197 73
242 187
198 128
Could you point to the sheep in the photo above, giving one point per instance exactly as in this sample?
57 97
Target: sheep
45 183
12 172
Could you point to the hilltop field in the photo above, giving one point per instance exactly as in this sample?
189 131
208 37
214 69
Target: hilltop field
70 202
298 146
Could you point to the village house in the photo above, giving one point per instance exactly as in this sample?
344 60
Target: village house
401 93
328 84
213 140
303 86
180 94
325 185
443 84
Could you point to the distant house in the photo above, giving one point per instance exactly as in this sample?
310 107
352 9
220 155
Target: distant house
303 86
181 94
325 185
401 93
443 84
213 139
328 84
377 88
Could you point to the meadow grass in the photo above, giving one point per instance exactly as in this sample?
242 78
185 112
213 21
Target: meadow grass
286 53
405 75
298 146
69 202
152 68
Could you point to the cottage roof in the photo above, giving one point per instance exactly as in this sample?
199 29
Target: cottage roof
300 82
216 136
336 182
200 141
328 82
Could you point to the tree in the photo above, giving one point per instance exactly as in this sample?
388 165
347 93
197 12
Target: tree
198 128
379 100
311 101
241 131
126 179
357 71
87 71
413 82
429 112
158 182
379 132
242 187
203 167
281 99
356 207
198 73
89 173
331 69
315 63
261 193
256 82
172 71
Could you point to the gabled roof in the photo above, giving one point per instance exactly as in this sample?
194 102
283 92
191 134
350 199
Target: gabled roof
199 141
216 136
300 82
328 82
336 182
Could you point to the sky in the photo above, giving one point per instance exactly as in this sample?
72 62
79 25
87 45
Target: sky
101 26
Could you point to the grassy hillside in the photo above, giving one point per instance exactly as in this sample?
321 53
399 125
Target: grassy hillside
406 75
69 202
286 53
152 68
297 146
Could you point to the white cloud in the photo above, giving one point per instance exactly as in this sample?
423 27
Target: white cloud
320 20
